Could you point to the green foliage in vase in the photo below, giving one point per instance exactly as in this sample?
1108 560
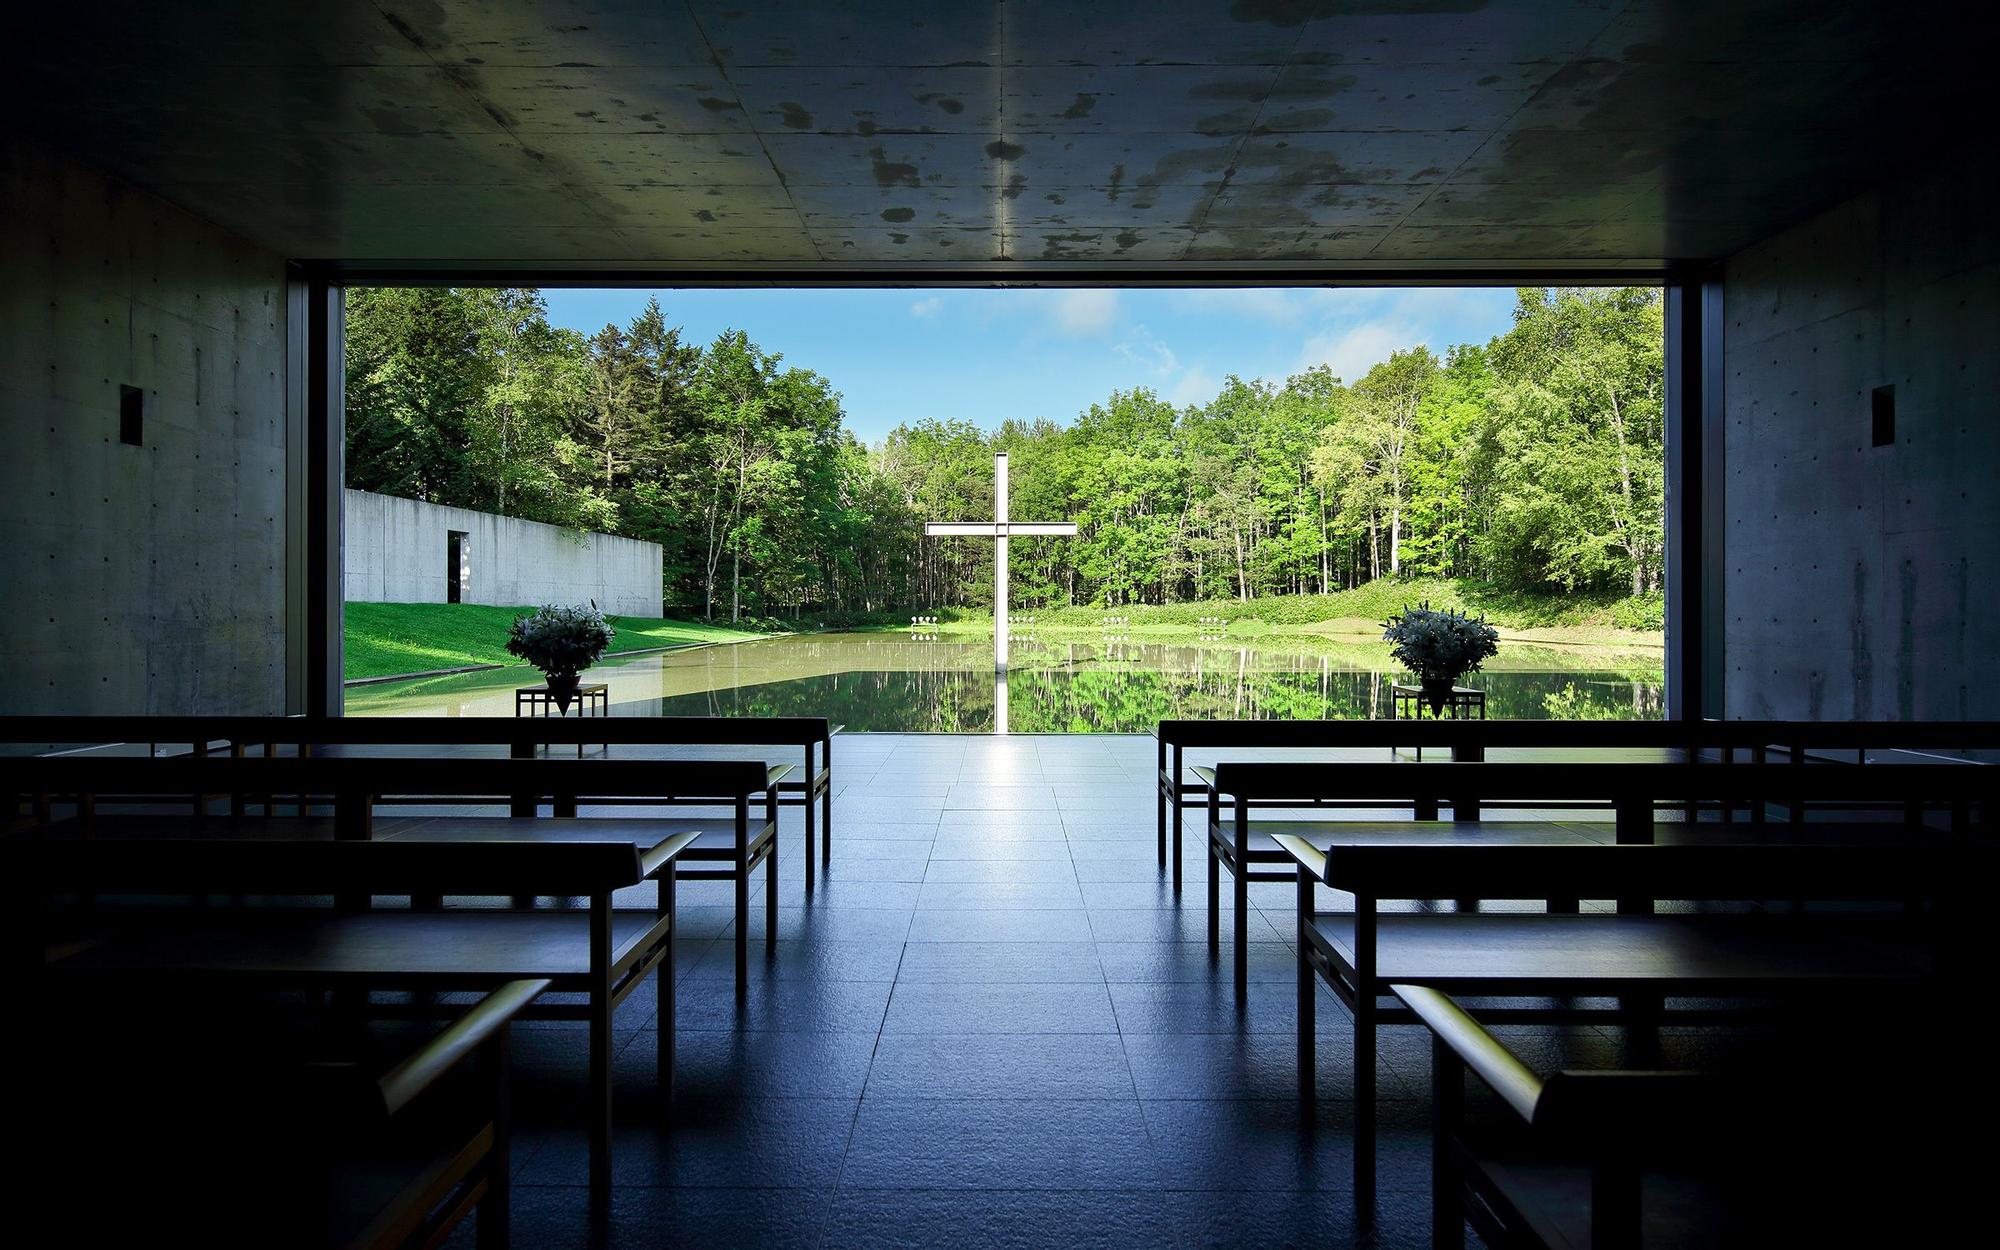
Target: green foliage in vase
1439 645
562 641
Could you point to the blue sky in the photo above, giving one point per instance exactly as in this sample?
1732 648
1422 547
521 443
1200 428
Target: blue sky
984 355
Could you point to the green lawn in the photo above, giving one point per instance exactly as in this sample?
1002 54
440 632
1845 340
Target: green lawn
384 639
1580 618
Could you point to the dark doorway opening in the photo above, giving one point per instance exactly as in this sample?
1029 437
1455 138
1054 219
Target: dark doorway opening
458 567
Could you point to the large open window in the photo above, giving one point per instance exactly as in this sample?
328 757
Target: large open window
1257 476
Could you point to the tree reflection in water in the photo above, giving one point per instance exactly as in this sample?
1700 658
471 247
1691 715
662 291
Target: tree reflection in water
1129 688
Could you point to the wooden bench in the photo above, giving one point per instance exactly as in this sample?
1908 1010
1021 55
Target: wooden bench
1797 1145
233 1122
1251 851
1694 741
1567 954
1634 795
1261 855
598 953
1465 740
719 850
1602 1113
728 849
810 786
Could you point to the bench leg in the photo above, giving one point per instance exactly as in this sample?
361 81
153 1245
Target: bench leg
491 1215
1447 1107
826 820
1615 1216
742 929
771 898
1160 809
1364 1096
1242 932
742 897
663 989
1214 896
600 1041
1639 1017
811 813
1308 1001
1178 817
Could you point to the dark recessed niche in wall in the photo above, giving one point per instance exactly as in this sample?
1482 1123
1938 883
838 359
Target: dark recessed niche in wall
132 416
1883 403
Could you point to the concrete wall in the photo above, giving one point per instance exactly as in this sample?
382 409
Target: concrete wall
1863 582
144 578
396 551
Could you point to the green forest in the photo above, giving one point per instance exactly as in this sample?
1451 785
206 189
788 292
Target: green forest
1528 465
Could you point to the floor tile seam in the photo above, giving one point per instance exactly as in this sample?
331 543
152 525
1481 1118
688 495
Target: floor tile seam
1110 1032
1134 1190
915 1101
733 1031
1337 1185
1124 1051
669 1186
854 1122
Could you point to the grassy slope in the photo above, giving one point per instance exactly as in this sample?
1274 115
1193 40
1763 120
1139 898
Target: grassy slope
1599 620
389 638
1557 621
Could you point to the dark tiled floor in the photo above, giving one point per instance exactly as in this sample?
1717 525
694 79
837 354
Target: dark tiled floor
992 1025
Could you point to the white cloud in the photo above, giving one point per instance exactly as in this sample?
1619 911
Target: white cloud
1347 329
1359 329
1143 348
927 307
1086 312
1196 386
1180 384
1351 352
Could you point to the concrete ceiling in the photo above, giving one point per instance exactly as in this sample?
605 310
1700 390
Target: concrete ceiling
1355 134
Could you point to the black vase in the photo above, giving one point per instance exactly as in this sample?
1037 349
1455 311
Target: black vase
562 688
1436 692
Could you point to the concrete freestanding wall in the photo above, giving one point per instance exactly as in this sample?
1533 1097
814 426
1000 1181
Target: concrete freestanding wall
396 551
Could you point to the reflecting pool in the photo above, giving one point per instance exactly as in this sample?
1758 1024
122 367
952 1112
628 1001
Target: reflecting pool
895 682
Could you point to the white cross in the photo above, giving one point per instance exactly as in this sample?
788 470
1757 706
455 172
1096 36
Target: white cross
998 530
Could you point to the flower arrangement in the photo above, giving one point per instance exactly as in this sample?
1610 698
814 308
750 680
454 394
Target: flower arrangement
1439 646
562 642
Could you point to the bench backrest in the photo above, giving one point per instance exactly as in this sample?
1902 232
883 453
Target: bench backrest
1681 872
1613 783
421 730
53 866
1337 734
366 779
1661 735
1592 1105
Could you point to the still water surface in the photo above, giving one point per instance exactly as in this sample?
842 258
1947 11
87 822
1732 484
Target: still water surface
892 682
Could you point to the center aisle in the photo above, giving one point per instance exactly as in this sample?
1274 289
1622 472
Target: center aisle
992 1022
